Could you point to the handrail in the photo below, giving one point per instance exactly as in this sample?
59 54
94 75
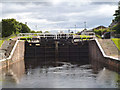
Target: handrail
12 52
104 52
44 34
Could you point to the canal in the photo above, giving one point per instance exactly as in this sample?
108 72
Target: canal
48 74
67 66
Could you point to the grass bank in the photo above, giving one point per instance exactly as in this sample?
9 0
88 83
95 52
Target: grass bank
116 42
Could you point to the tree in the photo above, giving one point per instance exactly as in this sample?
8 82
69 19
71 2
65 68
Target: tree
32 31
100 32
46 32
25 28
117 14
38 31
8 27
11 26
0 29
116 27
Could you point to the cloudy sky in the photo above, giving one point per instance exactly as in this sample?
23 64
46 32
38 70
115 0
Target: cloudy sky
60 14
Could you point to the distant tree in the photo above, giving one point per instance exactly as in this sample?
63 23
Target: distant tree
100 32
33 32
78 33
38 31
0 29
46 32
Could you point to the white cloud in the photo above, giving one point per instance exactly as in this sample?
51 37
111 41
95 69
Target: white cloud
0 11
60 13
107 10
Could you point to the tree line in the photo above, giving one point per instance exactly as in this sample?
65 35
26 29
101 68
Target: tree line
11 26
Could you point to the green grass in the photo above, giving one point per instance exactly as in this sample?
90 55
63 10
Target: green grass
84 36
117 42
1 42
6 39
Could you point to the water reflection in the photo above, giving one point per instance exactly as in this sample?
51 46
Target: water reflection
107 77
11 75
55 74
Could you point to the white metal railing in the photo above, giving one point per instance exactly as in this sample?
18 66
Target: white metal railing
45 35
22 34
55 36
12 52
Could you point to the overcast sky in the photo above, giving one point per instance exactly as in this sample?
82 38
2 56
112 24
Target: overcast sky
60 14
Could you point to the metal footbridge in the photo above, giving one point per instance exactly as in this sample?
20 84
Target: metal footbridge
37 37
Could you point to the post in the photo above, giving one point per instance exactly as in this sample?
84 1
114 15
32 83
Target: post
56 36
85 25
56 50
75 28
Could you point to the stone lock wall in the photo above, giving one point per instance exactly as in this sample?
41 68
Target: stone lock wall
17 55
98 60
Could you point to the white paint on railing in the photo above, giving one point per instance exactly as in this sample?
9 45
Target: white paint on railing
12 52
104 52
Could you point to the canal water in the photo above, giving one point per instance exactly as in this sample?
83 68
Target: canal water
49 74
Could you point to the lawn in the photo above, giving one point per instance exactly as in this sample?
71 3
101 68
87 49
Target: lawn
116 42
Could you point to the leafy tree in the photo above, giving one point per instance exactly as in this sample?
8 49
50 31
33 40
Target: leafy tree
11 26
38 31
78 32
117 19
32 31
100 32
25 28
46 32
8 27
116 28
117 13
0 29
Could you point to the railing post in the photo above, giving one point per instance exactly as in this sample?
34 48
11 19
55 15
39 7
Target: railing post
56 36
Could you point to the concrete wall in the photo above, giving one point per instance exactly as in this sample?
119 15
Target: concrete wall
16 55
99 60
